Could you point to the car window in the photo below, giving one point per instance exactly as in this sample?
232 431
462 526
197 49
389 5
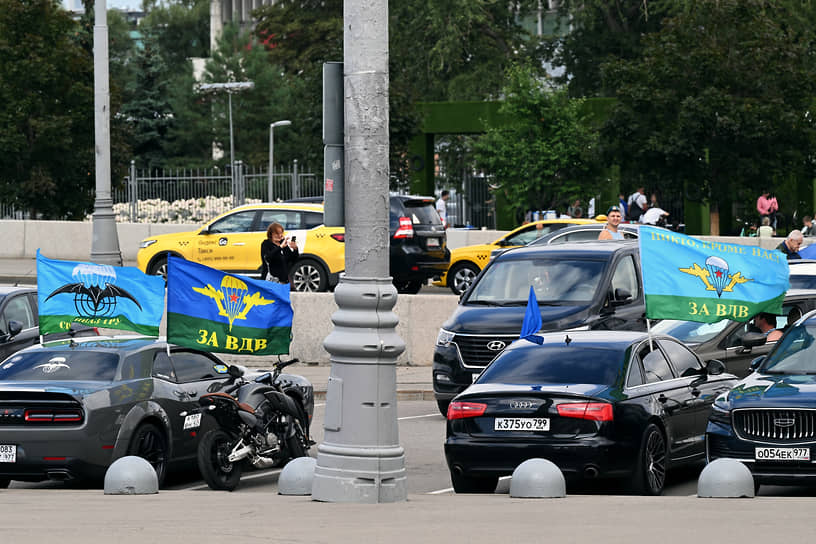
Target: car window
163 368
734 338
235 222
625 277
310 220
655 366
635 376
627 235
51 365
684 361
137 365
556 364
191 367
577 236
690 331
795 352
290 219
19 309
422 212
529 234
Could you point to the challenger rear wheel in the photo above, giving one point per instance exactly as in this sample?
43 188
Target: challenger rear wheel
213 461
150 443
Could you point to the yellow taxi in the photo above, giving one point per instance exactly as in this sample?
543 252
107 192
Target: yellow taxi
466 262
232 242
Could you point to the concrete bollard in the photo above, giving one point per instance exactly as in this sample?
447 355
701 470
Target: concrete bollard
725 478
537 479
131 475
296 477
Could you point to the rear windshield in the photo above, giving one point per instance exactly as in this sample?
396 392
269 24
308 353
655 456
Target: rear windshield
47 365
556 365
422 212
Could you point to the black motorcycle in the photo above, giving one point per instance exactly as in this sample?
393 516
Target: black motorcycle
258 424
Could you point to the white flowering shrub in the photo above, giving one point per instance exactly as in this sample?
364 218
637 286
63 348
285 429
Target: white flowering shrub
192 210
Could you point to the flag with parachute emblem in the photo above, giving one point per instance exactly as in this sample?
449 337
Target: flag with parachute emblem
697 280
220 312
97 295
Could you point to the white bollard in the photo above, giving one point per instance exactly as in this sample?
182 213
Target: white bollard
131 475
725 478
296 477
537 479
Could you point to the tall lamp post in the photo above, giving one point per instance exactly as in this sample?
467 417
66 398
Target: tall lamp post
230 87
284 123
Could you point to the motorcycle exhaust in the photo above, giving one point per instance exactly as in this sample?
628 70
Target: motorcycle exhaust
240 453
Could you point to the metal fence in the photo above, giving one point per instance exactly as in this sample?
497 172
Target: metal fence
195 196
473 205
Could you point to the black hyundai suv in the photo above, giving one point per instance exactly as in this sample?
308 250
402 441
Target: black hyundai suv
418 243
579 286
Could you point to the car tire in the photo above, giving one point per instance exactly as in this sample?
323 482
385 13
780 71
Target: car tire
473 484
309 275
650 469
408 287
4 483
461 276
150 443
158 267
443 407
213 452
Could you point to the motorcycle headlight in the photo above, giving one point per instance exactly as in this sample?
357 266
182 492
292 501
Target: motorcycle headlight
444 338
146 243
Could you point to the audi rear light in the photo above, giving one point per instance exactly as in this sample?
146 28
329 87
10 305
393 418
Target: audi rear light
340 236
461 410
594 411
406 228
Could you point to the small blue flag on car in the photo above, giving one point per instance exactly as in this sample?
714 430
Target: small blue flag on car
215 311
809 252
112 297
532 320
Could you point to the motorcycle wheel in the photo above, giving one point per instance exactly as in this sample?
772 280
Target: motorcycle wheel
296 444
213 461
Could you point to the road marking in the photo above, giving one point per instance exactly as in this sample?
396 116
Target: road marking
417 417
250 477
440 491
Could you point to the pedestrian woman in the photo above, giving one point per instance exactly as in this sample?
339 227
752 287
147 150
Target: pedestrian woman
610 230
278 253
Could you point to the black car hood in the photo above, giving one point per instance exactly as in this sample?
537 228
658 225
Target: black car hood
507 320
769 390
75 389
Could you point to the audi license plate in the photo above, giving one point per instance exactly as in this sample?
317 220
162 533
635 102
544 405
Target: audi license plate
8 454
782 454
521 424
433 242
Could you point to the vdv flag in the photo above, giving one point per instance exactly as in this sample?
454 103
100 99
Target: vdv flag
696 280
215 311
113 297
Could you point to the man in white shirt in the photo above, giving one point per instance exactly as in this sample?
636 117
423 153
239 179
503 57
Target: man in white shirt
652 216
442 207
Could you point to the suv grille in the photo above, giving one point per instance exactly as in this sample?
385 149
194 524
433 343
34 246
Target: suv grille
473 348
792 425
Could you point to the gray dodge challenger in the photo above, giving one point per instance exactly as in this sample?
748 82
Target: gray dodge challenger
69 408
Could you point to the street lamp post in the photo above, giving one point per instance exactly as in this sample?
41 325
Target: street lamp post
284 123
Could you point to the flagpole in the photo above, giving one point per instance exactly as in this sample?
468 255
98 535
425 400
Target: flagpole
649 331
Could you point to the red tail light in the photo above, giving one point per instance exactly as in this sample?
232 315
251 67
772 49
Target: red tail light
406 228
595 411
53 416
461 410
340 236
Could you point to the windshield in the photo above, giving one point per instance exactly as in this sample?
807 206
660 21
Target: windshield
794 354
555 281
48 365
689 331
556 364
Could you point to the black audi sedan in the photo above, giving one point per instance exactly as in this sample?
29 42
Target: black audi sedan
597 404
768 420
68 409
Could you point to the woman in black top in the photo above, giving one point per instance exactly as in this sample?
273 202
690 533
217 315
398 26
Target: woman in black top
277 254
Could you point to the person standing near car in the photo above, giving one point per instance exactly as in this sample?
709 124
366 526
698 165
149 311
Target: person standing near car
610 230
442 207
278 253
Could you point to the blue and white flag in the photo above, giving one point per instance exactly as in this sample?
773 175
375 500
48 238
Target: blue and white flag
113 297
696 280
532 320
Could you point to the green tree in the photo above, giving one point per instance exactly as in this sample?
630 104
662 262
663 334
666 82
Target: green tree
721 99
545 154
46 111
181 29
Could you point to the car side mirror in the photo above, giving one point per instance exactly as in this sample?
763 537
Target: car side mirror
715 367
235 371
757 362
753 339
620 296
14 327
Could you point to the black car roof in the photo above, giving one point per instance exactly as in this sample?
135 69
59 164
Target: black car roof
592 248
586 339
128 343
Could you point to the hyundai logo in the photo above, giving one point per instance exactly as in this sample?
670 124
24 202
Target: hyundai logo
784 422
496 345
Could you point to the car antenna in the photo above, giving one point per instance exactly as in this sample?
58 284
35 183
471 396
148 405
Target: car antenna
567 340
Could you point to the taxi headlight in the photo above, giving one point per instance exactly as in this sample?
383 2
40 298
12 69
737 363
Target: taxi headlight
146 243
444 337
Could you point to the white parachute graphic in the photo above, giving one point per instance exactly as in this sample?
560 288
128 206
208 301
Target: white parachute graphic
95 301
234 291
94 274
718 273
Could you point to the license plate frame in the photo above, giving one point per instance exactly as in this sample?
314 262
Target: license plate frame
8 453
784 455
433 242
532 424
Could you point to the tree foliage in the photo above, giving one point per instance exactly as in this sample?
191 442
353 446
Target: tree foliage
721 99
545 154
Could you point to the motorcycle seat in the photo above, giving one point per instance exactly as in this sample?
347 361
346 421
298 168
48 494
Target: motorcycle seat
241 405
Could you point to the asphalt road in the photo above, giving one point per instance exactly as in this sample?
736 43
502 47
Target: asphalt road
422 435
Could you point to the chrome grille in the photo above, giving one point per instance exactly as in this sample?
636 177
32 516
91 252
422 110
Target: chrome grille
775 425
473 348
